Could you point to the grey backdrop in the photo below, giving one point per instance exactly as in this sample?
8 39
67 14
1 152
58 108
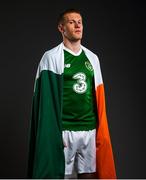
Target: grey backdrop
114 30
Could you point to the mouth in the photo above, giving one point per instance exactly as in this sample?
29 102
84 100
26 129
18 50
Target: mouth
77 31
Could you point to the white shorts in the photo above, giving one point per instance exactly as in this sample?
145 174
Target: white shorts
80 153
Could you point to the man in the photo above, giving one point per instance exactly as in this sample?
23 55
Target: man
69 130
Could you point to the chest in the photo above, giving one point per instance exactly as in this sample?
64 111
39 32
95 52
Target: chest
77 67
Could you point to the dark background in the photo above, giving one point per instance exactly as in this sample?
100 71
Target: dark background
115 31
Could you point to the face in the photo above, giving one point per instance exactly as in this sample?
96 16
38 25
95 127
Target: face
72 27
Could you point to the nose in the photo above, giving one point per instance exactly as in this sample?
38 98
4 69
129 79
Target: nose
77 24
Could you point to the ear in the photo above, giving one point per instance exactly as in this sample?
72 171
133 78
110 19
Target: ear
60 28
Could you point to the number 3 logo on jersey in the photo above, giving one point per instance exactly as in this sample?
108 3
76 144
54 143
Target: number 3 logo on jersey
81 86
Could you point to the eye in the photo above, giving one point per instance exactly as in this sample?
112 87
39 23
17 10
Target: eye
70 22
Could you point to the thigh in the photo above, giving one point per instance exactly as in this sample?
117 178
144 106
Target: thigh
69 151
86 153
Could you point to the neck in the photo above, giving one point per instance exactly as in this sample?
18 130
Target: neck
72 45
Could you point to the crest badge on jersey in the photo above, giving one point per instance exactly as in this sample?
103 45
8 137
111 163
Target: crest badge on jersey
88 65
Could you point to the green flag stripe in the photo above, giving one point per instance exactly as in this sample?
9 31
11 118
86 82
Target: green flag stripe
46 157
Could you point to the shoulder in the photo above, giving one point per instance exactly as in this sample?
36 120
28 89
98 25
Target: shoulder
52 60
51 54
90 53
53 51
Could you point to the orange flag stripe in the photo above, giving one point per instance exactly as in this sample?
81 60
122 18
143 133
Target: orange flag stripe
104 153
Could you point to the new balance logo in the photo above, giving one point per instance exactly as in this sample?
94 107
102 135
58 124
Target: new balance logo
67 65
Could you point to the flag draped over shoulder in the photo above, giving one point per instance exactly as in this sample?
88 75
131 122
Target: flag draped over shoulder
46 156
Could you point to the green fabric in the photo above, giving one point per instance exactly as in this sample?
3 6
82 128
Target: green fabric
46 156
79 109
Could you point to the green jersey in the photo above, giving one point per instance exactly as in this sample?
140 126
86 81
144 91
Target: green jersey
79 109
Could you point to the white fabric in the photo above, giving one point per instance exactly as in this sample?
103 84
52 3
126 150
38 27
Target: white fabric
80 153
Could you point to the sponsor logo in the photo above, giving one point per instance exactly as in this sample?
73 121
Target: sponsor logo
80 86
